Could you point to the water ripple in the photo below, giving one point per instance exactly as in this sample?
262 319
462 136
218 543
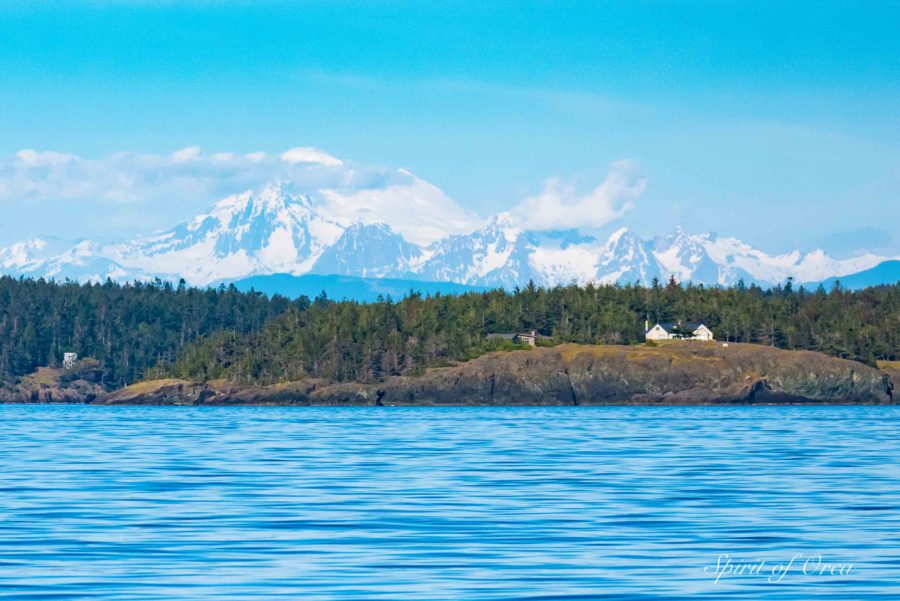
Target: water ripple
141 503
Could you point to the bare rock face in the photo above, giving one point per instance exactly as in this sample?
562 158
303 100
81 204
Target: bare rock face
678 373
892 369
186 392
158 392
45 387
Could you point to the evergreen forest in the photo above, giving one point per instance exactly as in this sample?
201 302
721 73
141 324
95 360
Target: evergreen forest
156 329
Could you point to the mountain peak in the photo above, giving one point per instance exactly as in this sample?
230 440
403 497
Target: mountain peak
267 200
273 192
368 250
271 230
379 227
21 254
622 235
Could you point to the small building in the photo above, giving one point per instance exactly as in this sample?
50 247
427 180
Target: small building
69 360
678 331
529 338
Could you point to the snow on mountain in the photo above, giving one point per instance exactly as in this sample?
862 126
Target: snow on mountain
735 258
627 259
81 262
267 232
497 254
22 257
415 208
886 272
564 263
276 231
368 251
685 256
85 262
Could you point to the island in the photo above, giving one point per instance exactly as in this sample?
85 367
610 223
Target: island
672 373
672 344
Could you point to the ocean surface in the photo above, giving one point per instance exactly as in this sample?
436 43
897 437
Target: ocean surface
394 503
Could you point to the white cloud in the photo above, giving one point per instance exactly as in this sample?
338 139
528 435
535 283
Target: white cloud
187 181
309 155
189 173
560 205
179 184
186 154
32 158
421 212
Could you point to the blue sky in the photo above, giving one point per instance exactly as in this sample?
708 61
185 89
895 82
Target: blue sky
774 122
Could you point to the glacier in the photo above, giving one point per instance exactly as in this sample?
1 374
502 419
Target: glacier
275 231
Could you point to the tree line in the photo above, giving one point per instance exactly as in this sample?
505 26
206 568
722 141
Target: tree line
348 341
132 330
146 330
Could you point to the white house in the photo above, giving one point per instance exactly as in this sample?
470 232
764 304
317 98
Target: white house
678 331
69 360
529 338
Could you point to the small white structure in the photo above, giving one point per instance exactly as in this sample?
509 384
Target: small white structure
69 360
529 338
678 331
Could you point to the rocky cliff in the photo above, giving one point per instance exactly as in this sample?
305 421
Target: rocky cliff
892 369
678 373
47 385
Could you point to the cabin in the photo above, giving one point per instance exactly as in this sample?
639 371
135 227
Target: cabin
69 360
529 338
678 331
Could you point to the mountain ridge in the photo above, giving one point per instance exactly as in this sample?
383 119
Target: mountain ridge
886 272
274 231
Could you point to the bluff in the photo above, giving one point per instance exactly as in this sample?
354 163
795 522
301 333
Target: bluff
676 373
47 385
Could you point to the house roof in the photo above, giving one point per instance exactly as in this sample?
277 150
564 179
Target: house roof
674 326
502 336
512 336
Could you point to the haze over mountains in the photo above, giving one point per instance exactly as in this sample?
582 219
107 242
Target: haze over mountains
274 230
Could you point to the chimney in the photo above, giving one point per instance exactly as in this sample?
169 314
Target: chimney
646 325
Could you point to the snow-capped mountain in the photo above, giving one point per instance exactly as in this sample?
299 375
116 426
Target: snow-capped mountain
369 251
267 232
627 258
713 259
275 231
22 257
494 255
84 261
685 256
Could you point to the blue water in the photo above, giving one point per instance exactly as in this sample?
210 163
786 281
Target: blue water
445 503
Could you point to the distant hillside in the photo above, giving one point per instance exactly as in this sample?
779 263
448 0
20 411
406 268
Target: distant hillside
342 287
887 272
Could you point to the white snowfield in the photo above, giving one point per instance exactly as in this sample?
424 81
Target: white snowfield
420 235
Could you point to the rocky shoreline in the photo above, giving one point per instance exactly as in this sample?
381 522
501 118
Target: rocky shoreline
684 373
678 373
